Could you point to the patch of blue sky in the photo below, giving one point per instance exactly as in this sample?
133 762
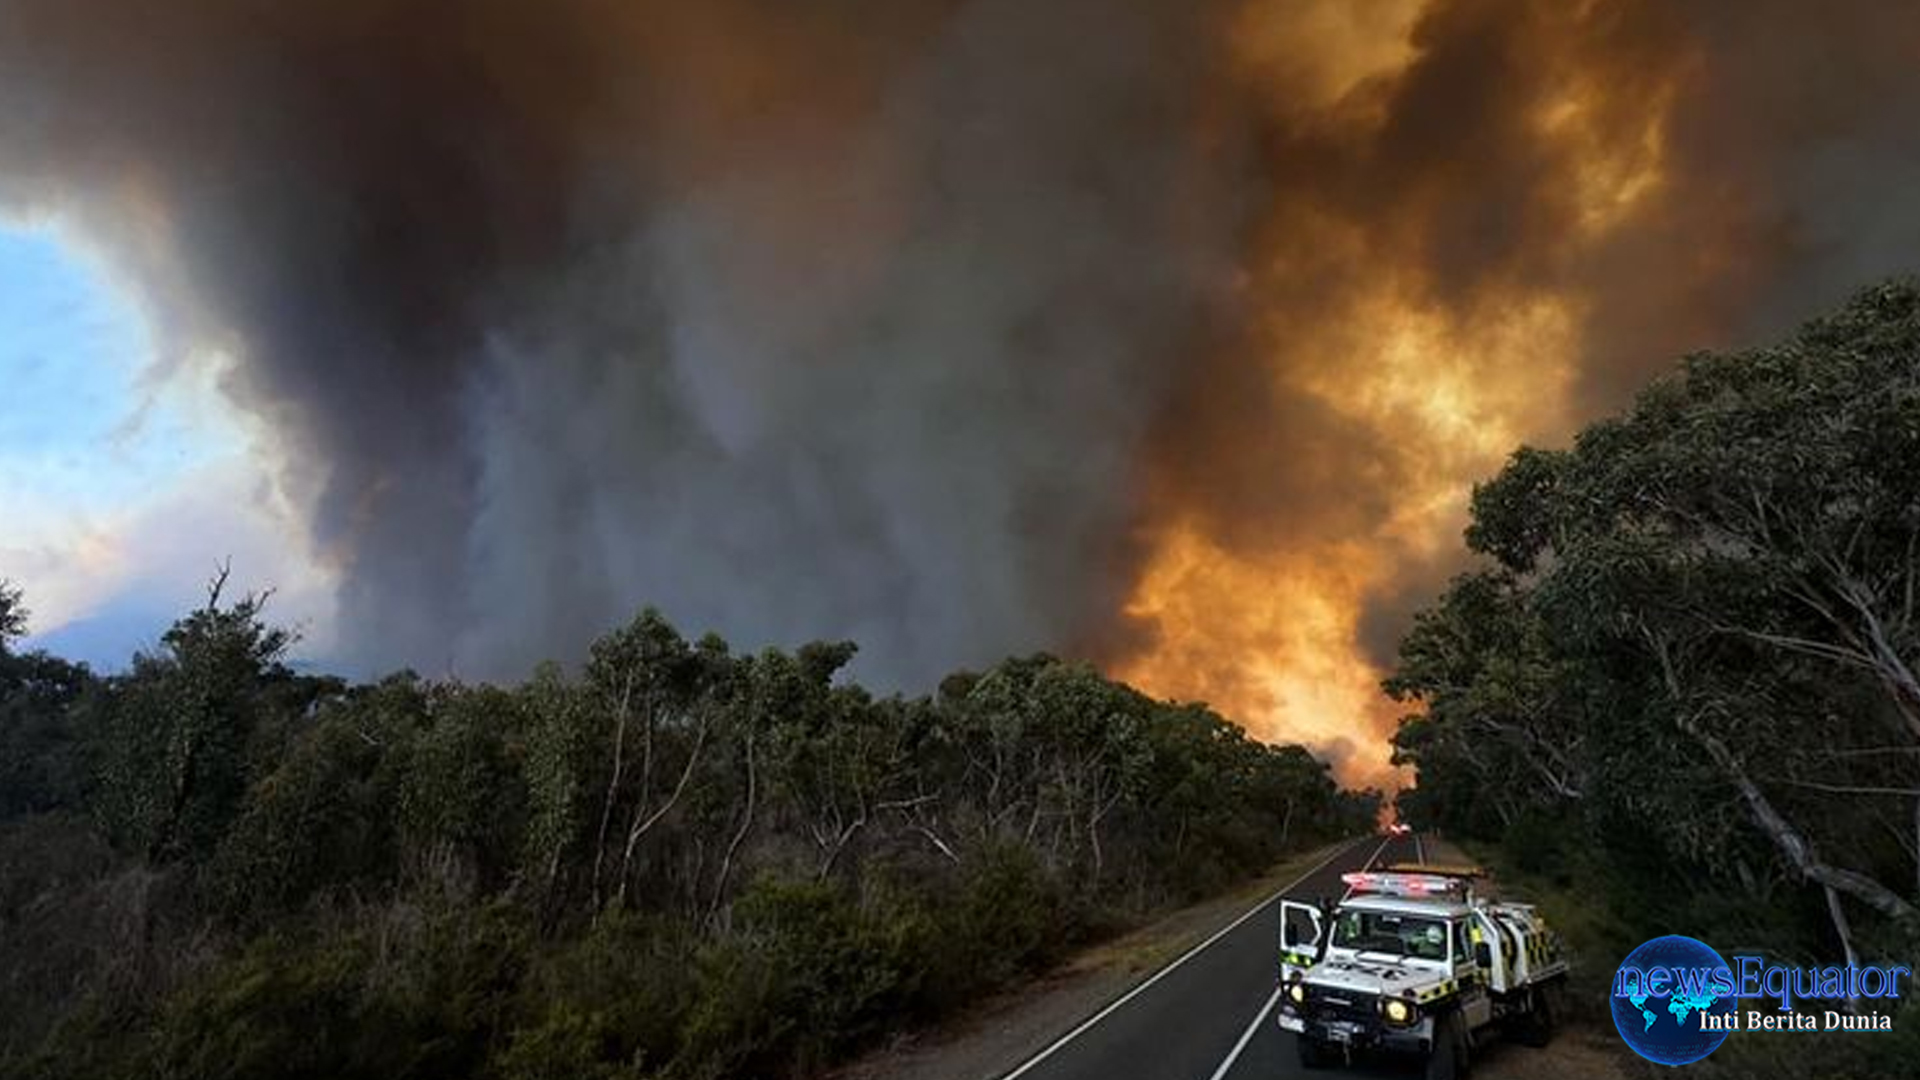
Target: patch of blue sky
121 486
85 425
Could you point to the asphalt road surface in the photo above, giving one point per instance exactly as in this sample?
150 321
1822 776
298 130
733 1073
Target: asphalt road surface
1209 1014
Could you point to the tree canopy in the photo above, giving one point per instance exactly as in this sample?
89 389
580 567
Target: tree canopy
676 861
1694 631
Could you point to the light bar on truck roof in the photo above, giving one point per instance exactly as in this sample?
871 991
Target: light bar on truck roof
1396 883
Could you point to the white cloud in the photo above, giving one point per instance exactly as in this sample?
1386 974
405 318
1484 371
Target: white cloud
125 483
109 583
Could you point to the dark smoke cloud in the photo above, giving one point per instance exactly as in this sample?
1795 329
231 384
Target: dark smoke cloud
909 321
1793 168
796 320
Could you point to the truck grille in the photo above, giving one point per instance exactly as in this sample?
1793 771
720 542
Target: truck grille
1341 1005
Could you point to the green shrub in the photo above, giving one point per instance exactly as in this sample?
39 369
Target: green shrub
412 994
806 974
1010 917
322 819
611 1004
278 1009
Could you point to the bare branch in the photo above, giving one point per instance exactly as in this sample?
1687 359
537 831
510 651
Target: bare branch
1799 851
1844 789
219 583
1806 646
934 839
739 835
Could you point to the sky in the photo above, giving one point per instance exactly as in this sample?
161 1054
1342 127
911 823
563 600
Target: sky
124 481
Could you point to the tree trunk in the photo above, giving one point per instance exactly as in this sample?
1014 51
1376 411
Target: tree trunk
1839 916
739 836
840 841
177 803
613 789
641 825
1798 850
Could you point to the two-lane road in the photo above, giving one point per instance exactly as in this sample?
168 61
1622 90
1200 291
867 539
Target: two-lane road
1209 1014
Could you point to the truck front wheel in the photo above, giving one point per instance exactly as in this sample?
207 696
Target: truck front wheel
1448 1058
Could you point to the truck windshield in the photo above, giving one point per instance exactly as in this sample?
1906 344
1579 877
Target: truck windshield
1381 931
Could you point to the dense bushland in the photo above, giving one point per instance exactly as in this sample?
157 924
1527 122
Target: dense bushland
677 861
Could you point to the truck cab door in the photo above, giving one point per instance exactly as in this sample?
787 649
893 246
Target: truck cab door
1476 999
1491 954
1301 928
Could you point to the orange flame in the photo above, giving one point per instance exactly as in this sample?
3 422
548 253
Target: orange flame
1447 388
1271 639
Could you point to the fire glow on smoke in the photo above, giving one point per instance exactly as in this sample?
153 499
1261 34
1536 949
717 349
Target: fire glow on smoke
1440 388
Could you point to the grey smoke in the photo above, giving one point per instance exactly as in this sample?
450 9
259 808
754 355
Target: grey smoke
843 322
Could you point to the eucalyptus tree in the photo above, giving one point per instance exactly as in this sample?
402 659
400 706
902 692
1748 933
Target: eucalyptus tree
1703 613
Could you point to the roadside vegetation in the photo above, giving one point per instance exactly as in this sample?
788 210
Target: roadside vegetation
1681 690
677 861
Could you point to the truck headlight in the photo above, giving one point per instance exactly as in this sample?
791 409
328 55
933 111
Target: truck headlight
1399 1012
1297 993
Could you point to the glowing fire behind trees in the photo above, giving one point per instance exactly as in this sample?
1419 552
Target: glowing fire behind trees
1273 637
1428 385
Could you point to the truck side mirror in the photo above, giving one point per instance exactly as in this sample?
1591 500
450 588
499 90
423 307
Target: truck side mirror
1483 955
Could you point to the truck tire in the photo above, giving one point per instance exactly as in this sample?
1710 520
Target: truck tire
1448 1059
1314 1054
1536 1027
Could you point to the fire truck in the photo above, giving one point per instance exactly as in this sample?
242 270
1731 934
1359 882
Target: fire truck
1413 962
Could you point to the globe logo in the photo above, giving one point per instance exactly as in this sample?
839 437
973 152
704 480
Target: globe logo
1659 1014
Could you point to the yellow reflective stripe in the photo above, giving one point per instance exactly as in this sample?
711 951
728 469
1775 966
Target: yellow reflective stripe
1540 949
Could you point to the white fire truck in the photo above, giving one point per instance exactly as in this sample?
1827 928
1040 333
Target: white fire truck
1411 961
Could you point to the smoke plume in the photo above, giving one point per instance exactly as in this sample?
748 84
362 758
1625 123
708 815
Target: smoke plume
1170 333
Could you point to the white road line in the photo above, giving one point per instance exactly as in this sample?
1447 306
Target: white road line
1246 1036
1165 971
1375 857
